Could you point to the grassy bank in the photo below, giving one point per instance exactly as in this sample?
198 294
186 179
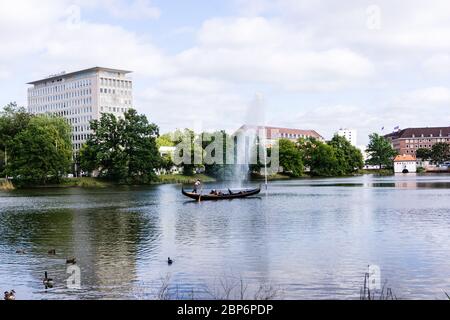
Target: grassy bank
273 177
6 185
179 178
378 172
84 183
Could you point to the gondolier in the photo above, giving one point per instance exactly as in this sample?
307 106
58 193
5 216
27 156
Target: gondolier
197 186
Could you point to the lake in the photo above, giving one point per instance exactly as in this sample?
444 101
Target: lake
303 239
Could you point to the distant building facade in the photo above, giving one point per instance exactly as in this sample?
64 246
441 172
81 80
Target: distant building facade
405 164
407 141
350 134
273 134
82 96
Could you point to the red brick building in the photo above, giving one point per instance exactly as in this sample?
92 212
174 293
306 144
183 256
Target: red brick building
407 141
275 133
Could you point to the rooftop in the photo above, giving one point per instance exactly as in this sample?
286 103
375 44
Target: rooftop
271 131
63 75
418 132
405 157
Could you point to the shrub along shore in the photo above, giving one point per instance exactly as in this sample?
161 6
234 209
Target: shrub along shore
98 183
36 151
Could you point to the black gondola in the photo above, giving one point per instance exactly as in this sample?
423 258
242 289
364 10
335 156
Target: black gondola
223 196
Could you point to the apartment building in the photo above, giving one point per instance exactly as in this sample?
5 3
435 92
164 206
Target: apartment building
273 134
82 96
407 141
350 134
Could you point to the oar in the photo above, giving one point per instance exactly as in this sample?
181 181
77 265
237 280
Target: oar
200 197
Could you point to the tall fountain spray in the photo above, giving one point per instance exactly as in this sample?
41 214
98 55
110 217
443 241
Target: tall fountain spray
246 139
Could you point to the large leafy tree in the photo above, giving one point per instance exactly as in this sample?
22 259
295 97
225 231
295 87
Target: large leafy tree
188 152
13 119
440 152
165 140
319 157
218 154
290 158
122 149
423 153
349 158
139 143
41 152
380 151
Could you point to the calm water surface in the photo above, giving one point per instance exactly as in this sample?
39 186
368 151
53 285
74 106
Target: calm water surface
312 239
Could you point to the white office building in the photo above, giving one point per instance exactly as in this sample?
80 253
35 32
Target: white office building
350 134
82 96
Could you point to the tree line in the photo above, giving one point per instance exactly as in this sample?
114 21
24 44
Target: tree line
439 153
37 149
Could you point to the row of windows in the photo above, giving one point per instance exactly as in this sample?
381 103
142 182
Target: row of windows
113 109
80 137
113 91
292 135
59 97
83 119
428 140
431 135
82 128
60 88
116 83
418 146
70 104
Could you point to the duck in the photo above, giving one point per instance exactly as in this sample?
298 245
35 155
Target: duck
169 261
9 296
48 282
20 251
52 252
71 261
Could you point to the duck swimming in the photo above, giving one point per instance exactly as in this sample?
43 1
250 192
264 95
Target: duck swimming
48 282
71 261
169 261
52 252
10 296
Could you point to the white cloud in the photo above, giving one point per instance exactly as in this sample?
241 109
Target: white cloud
291 49
329 118
438 64
194 103
424 107
135 9
259 50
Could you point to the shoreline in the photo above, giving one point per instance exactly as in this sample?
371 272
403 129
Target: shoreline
96 183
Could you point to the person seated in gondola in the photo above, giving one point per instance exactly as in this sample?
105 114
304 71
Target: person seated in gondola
230 192
213 192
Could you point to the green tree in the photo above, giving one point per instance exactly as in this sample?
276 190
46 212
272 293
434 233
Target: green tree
290 158
13 119
104 150
319 157
350 158
123 150
440 152
380 151
215 158
139 143
188 152
41 153
423 153
165 140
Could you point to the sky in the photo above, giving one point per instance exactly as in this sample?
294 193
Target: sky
210 64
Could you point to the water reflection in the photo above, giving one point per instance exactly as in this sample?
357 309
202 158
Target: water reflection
312 237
